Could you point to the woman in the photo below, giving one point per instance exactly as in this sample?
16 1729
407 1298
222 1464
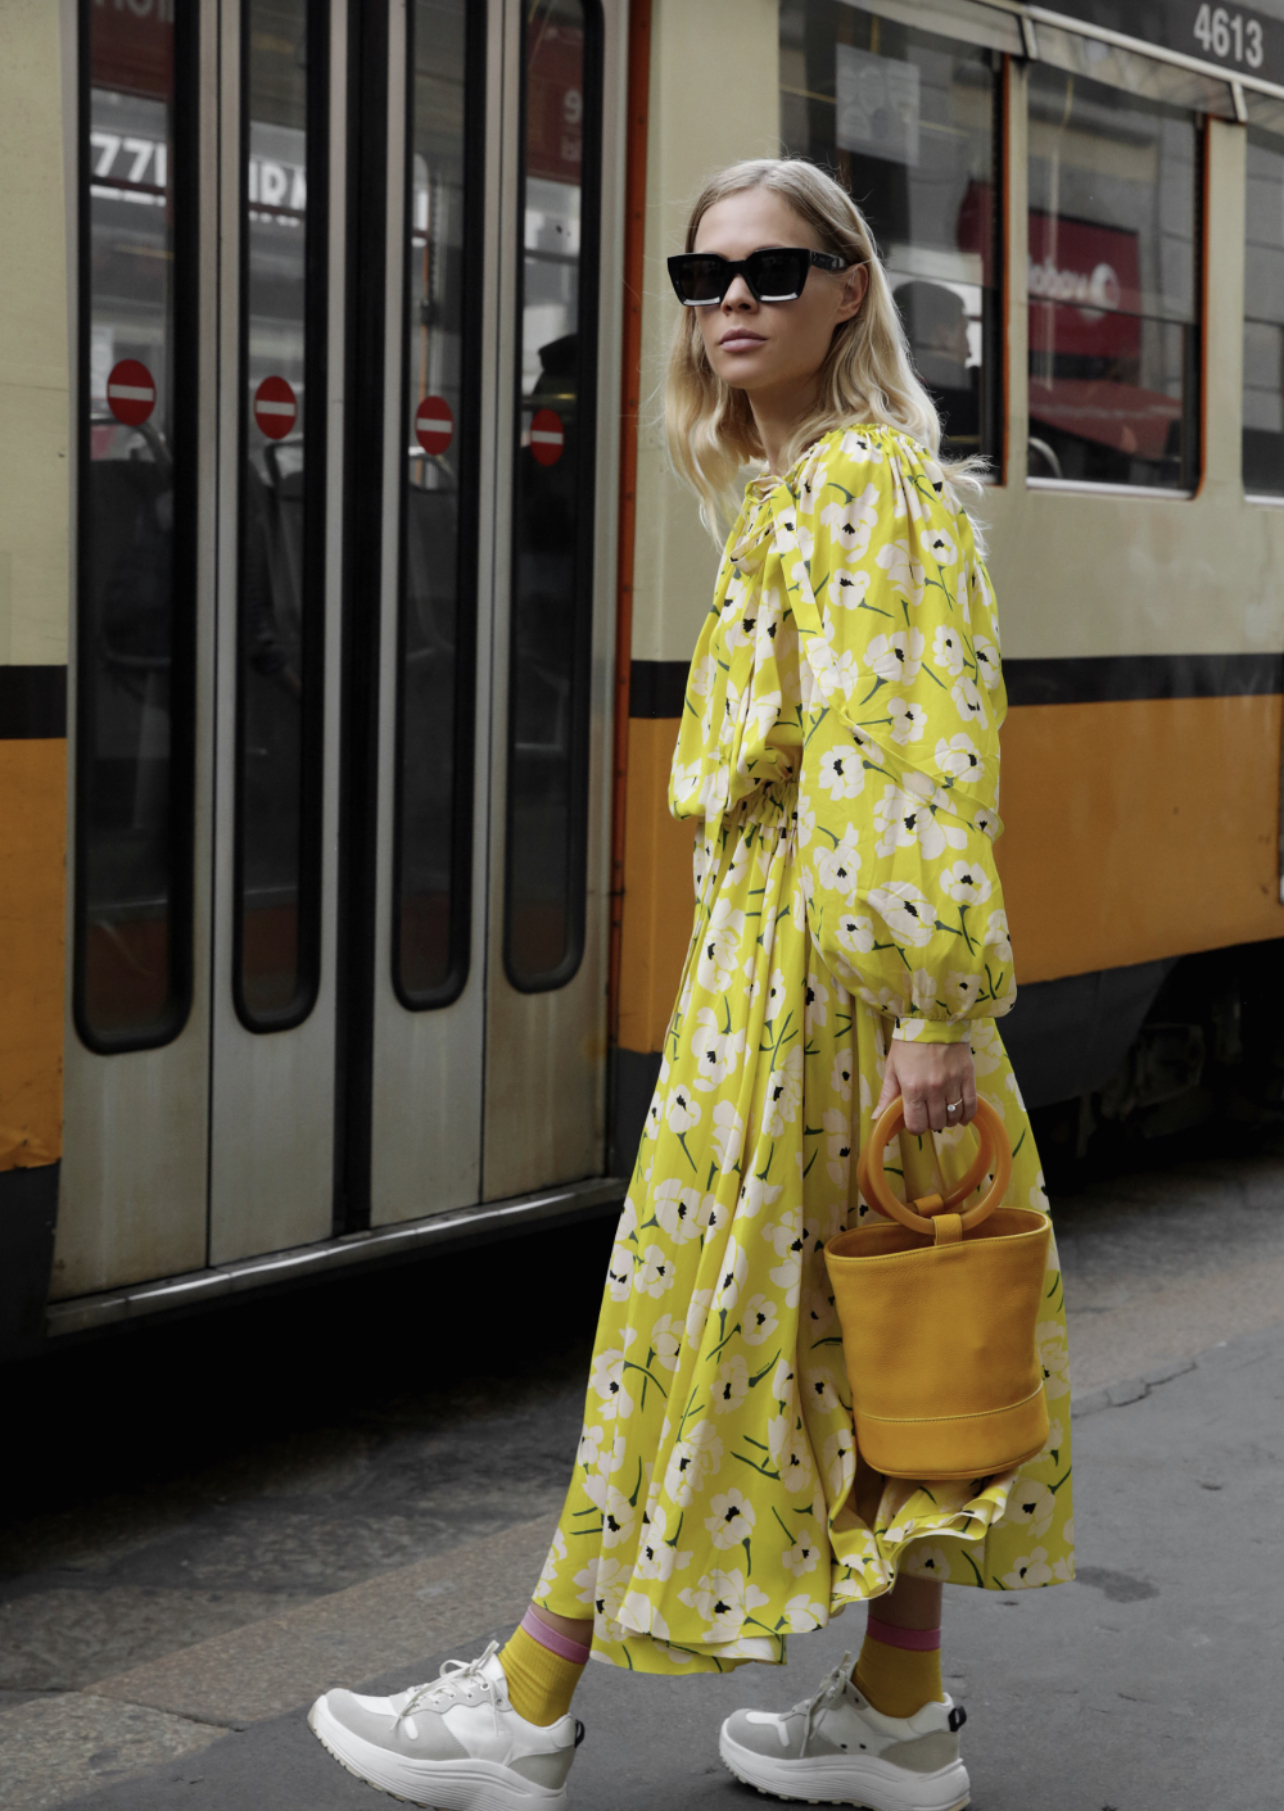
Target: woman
849 946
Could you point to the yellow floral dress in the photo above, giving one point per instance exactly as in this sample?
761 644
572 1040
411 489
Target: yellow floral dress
839 749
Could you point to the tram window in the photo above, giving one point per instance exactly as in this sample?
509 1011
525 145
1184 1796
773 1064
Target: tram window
281 567
552 590
909 123
136 642
1114 315
437 656
1263 454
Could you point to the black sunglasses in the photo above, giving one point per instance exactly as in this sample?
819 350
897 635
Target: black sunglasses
702 278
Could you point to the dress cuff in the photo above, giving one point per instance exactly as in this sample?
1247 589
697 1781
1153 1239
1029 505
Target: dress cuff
933 1031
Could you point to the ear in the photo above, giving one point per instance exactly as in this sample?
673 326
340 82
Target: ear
855 284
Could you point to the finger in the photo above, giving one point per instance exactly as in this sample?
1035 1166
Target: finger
937 1116
969 1099
916 1114
891 1088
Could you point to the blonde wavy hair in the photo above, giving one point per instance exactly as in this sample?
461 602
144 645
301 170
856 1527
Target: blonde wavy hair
867 375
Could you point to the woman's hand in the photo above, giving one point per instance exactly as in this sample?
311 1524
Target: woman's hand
928 1077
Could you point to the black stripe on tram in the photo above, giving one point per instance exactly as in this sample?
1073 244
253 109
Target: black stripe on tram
33 703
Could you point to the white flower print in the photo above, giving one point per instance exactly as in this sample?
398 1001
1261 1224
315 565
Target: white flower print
758 1320
837 868
847 589
904 573
697 1314
855 934
940 546
782 1382
896 658
732 1519
907 913
804 821
901 820
841 774
731 1385
721 947
996 936
816 1011
957 758
1054 1356
909 720
987 1047
685 780
840 1079
776 993
725 1600
802 1615
1032 1504
717 1052
790 1453
618 1518
619 1273
968 702
925 1561
784 1094
961 989
1033 1569
728 1136
803 1557
678 1211
755 1194
666 1341
966 884
655 1273
657 1557
703 673
838 1131
682 1111
691 1462
987 663
607 1378
947 650
731 1279
860 448
821 1391
851 523
607 1588
786 1235
838 1461
556 1553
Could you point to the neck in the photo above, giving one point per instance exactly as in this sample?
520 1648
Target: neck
776 413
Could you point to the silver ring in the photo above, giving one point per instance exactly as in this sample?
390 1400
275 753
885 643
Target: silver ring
952 1106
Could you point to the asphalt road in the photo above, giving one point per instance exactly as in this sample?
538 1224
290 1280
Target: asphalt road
209 1523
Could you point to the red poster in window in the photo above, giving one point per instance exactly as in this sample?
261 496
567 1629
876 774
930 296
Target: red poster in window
555 102
1090 276
133 47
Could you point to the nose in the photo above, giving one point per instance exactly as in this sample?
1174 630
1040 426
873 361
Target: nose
739 295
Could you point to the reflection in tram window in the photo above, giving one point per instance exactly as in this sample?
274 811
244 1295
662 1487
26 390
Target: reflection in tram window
439 534
134 797
1264 317
907 121
1114 342
278 792
553 501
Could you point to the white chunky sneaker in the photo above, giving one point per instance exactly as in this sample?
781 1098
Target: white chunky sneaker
835 1748
456 1744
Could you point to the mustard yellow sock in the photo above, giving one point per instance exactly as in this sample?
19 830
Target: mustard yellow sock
541 1683
899 1680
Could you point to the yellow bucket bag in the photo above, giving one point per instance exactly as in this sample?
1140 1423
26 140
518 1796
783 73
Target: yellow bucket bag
939 1312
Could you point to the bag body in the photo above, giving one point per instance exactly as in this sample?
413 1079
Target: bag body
939 1316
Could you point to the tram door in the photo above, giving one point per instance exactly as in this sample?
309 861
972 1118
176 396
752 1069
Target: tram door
340 798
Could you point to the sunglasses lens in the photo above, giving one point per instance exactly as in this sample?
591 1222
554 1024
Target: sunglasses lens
778 276
701 280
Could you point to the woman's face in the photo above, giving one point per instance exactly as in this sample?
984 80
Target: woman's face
768 347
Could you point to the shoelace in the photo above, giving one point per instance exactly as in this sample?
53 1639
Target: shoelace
825 1696
457 1678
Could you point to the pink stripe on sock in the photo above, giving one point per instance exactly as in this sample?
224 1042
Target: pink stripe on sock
918 1641
561 1645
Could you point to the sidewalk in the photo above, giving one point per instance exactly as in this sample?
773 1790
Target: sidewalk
1152 1684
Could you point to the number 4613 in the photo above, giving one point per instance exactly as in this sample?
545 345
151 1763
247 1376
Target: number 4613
1229 36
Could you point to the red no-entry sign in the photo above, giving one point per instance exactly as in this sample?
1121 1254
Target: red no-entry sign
276 408
548 436
131 394
434 424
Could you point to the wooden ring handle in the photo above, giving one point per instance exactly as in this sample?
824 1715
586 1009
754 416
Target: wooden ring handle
995 1153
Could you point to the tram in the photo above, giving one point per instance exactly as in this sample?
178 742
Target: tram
346 595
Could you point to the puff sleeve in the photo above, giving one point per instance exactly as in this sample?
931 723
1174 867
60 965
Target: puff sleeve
898 805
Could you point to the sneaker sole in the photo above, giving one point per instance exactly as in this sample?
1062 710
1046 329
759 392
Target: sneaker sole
442 1785
841 1779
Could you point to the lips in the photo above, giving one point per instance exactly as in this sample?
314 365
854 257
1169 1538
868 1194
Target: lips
741 342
